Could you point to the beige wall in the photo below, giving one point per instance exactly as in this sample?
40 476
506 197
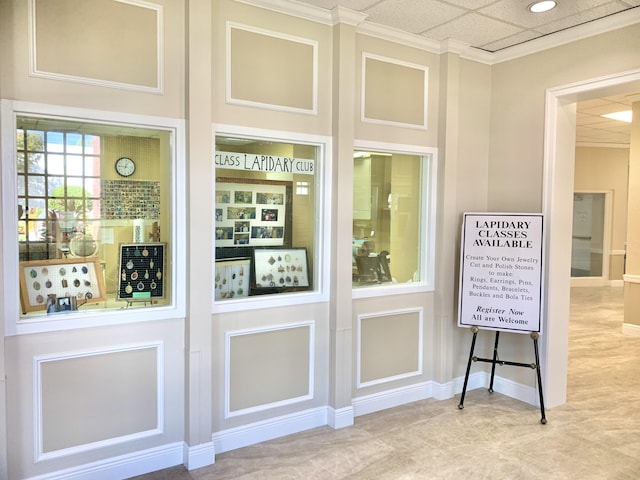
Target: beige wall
606 169
487 123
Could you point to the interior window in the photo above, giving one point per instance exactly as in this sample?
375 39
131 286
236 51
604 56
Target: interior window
93 214
265 217
388 207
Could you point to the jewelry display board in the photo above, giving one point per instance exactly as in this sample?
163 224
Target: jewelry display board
251 213
281 267
232 278
41 280
141 272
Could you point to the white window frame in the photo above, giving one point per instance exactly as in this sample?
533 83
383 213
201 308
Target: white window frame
17 325
322 255
427 232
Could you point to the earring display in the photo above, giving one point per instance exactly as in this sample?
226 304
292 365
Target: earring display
80 278
232 278
142 272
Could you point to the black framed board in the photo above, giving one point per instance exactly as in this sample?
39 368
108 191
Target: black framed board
501 258
142 274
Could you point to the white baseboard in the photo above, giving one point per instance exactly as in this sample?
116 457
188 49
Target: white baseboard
269 429
199 455
124 466
631 329
616 283
340 418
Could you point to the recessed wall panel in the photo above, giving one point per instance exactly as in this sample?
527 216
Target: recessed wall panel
394 92
96 397
269 367
269 70
101 40
390 346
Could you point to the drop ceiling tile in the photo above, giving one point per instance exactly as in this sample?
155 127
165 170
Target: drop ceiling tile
473 29
424 14
470 4
583 17
516 11
520 37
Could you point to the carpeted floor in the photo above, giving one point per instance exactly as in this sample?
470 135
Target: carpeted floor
595 435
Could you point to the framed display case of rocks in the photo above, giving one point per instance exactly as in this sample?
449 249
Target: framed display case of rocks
141 273
281 268
47 283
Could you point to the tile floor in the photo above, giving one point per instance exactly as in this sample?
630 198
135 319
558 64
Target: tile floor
595 435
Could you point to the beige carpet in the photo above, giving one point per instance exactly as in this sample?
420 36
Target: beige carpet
595 435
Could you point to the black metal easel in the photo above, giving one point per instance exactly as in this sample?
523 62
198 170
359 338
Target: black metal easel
495 360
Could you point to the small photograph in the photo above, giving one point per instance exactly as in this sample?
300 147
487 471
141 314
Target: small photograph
241 239
267 232
242 227
270 198
224 233
223 196
241 213
245 197
269 215
218 214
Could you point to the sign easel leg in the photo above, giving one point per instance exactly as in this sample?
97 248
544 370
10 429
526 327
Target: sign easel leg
466 377
493 363
535 336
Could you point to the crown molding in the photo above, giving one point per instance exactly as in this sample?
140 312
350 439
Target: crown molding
364 27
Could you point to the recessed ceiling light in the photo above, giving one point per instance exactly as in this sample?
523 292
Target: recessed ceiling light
539 7
624 116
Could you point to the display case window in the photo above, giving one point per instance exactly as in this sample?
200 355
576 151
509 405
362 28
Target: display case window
393 198
95 215
266 229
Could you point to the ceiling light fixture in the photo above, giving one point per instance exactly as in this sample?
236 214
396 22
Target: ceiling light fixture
539 7
624 116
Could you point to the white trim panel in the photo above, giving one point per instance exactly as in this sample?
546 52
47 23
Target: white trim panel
420 346
39 454
159 90
248 103
363 92
290 401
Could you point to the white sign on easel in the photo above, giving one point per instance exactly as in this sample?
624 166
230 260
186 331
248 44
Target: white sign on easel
501 259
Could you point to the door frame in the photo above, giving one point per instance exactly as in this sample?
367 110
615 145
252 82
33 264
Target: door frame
558 176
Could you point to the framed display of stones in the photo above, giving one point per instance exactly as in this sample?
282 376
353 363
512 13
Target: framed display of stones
281 268
232 278
45 281
141 272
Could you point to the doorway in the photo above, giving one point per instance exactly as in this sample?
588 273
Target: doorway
559 163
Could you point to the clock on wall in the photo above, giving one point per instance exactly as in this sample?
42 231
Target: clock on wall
125 166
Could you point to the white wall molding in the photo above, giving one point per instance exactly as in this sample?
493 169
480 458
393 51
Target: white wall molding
199 455
123 466
252 433
38 410
631 330
340 418
630 278
34 71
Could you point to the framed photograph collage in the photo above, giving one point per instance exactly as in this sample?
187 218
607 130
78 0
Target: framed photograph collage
250 213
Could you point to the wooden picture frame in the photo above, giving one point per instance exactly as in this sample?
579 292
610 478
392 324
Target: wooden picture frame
40 280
